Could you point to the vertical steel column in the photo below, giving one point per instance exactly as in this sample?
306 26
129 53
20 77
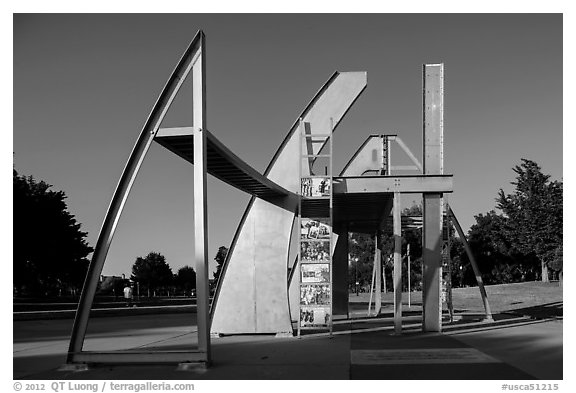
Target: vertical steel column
372 287
378 266
340 270
433 130
200 209
384 274
408 271
447 259
397 224
331 229
388 156
301 133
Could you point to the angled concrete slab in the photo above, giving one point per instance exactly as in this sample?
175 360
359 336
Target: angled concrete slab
252 295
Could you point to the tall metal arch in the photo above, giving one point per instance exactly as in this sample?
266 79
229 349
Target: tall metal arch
193 60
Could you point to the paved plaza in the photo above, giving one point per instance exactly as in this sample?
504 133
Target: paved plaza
513 347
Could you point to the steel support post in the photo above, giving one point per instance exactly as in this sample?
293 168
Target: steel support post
408 272
371 290
340 271
378 267
397 224
432 264
472 262
384 274
388 156
200 207
433 113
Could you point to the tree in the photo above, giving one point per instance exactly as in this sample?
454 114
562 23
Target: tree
186 278
220 258
412 237
50 249
112 285
361 250
361 247
498 260
557 263
534 214
152 272
491 250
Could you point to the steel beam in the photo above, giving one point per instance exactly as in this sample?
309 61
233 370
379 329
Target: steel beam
397 223
432 263
378 268
387 140
433 164
389 184
340 270
120 196
175 131
200 203
405 168
472 262
222 163
412 157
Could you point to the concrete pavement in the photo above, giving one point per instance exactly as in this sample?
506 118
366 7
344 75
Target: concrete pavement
513 347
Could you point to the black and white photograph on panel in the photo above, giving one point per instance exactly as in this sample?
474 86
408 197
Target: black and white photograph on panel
315 251
172 220
318 294
314 187
315 228
314 316
315 273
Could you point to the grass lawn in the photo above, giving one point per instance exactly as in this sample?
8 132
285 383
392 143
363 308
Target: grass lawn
534 296
507 297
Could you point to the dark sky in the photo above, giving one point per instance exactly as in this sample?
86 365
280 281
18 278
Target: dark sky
84 85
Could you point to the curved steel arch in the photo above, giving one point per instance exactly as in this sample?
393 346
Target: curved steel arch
192 54
252 292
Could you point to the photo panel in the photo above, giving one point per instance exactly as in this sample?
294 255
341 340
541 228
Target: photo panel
311 316
315 273
315 228
315 295
315 251
315 187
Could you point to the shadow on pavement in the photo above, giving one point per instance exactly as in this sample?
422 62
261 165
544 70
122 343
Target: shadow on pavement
517 344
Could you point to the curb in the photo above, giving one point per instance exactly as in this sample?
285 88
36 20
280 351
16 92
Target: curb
102 312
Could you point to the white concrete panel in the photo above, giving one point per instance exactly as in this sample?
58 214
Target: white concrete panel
253 293
367 158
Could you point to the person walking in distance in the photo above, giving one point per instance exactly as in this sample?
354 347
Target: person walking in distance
128 294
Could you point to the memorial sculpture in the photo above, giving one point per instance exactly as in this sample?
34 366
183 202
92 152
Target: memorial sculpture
288 260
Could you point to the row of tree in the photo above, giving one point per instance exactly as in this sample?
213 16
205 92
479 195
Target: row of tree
50 254
50 249
521 243
154 275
